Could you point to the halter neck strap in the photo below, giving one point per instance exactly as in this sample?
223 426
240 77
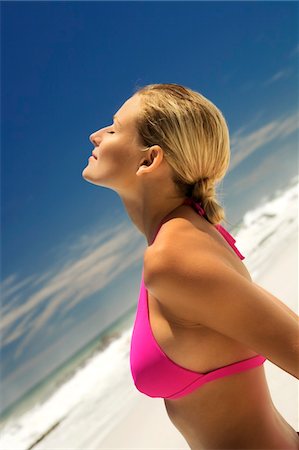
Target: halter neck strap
230 239
190 201
197 206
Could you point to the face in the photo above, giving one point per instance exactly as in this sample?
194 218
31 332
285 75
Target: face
117 150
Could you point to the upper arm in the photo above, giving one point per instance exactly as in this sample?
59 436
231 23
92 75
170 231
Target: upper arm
199 287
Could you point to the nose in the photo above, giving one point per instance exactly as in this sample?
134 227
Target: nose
95 138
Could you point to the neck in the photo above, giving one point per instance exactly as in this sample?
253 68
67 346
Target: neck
148 213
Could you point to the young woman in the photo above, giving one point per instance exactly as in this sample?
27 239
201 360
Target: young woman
203 328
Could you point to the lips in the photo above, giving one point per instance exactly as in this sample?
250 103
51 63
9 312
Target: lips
93 154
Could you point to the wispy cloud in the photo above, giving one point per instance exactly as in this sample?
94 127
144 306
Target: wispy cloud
266 167
243 145
284 73
98 262
251 84
295 51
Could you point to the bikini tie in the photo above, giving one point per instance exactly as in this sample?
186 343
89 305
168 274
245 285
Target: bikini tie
223 231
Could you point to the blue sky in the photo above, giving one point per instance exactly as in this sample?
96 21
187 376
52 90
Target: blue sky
71 259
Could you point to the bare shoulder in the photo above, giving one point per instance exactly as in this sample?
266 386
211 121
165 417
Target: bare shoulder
180 243
184 258
188 277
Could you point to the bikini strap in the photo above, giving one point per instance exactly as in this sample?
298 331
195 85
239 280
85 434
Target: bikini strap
229 239
197 205
190 201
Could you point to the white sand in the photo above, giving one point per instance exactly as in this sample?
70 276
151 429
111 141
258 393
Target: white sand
148 426
282 281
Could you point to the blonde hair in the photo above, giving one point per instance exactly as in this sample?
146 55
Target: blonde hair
194 136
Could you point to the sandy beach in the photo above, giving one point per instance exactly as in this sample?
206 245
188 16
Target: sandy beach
148 426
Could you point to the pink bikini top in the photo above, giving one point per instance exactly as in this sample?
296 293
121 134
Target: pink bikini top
153 372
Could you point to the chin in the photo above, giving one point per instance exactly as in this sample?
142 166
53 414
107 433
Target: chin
88 177
84 174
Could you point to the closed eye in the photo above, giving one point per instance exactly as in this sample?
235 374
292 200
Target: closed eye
111 132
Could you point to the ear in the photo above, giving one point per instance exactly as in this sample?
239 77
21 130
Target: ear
151 161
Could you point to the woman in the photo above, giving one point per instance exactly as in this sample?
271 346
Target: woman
203 328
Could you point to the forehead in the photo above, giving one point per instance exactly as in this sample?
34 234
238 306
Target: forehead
128 112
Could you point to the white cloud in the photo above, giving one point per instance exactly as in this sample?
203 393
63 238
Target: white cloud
94 267
295 51
250 84
243 145
284 73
